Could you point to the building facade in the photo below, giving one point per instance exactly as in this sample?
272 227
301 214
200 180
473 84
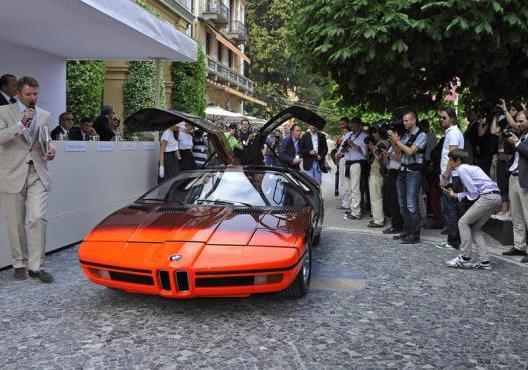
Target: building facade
219 27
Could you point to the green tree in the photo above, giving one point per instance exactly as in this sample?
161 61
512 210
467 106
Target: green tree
84 87
188 93
399 52
139 90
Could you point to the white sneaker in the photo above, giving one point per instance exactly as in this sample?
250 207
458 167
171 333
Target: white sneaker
459 263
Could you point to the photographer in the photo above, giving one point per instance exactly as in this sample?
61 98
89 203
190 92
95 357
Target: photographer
245 138
518 189
503 120
484 193
412 148
377 148
344 125
453 140
353 150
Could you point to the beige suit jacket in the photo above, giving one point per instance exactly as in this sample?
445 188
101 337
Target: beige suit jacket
15 147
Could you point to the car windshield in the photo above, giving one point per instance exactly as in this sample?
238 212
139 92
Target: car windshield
240 188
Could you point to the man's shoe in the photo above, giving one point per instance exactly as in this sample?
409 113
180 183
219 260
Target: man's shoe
20 273
444 245
524 259
482 266
375 225
409 240
514 252
42 275
460 263
401 235
350 216
391 230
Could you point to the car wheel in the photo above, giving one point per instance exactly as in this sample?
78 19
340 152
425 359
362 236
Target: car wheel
316 238
300 285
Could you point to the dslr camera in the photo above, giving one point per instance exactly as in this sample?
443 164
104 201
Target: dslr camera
511 131
379 148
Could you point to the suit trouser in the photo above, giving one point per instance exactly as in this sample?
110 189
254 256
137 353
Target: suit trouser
352 197
519 212
315 172
470 225
27 249
376 197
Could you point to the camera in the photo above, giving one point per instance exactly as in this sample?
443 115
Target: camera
511 131
379 148
396 125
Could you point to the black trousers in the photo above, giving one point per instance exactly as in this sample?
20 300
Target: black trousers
187 160
397 221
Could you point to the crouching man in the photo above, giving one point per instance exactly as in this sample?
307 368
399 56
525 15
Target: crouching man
486 199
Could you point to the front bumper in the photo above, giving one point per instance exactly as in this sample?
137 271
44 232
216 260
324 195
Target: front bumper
202 270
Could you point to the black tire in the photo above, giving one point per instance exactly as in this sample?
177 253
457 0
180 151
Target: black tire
301 284
316 238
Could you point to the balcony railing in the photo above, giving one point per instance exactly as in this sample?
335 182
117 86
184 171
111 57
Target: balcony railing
216 11
238 31
224 73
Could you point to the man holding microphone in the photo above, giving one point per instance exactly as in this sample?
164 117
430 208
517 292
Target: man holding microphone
25 180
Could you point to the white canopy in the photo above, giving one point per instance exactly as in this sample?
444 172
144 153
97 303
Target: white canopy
92 30
215 113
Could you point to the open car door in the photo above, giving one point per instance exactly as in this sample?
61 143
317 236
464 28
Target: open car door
152 119
300 113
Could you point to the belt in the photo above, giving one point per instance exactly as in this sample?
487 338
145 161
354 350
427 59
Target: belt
491 192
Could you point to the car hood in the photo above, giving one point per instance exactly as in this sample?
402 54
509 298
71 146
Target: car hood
152 119
212 225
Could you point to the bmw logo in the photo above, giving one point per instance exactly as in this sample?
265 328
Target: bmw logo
175 257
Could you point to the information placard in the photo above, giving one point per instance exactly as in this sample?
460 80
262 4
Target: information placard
105 146
128 145
148 145
75 146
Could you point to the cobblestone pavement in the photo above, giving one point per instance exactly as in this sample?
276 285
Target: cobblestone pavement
373 304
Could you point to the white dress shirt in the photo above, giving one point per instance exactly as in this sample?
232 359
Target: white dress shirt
172 143
315 141
515 165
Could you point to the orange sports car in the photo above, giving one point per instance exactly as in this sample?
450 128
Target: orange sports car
217 231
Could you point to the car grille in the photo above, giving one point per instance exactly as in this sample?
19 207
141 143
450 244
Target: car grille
269 211
171 209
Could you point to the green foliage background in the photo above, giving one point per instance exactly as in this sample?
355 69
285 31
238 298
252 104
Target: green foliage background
84 87
386 54
188 92
139 88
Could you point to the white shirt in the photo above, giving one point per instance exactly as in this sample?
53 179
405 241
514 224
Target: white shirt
453 136
315 141
172 143
359 139
7 97
515 165
185 140
393 164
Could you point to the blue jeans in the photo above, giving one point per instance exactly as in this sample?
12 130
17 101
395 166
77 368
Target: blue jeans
315 172
409 184
451 213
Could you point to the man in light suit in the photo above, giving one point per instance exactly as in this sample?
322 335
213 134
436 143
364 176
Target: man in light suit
25 180
290 148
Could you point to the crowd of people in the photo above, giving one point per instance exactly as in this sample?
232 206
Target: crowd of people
400 172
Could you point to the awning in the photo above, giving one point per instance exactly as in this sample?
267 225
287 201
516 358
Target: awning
93 30
228 44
